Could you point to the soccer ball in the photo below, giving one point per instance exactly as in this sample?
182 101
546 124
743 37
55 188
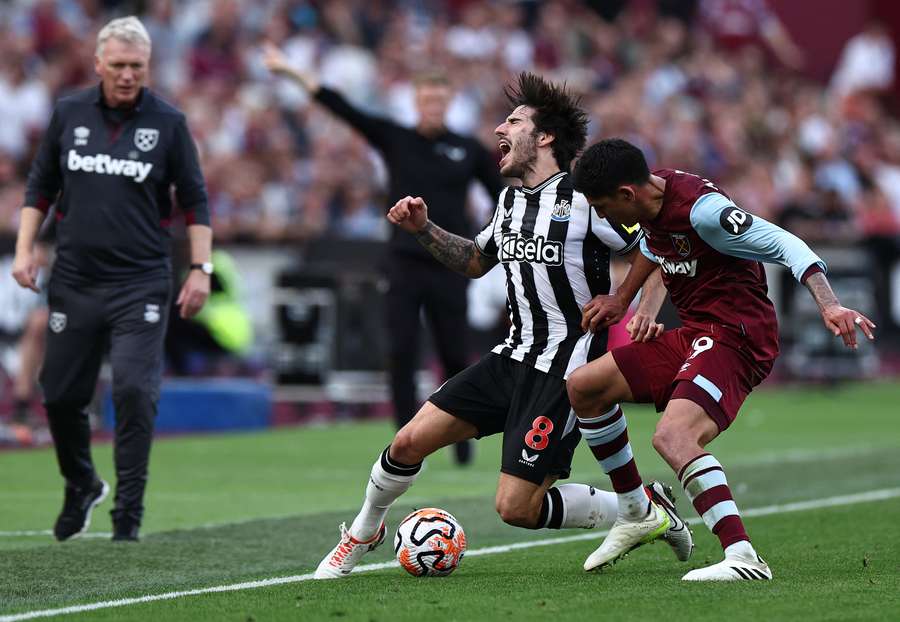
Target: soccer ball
430 543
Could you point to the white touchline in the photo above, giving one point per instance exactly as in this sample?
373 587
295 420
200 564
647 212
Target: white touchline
799 506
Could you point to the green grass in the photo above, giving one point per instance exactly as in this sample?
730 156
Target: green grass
224 509
822 566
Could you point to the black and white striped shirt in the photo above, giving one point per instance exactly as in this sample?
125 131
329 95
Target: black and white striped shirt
556 253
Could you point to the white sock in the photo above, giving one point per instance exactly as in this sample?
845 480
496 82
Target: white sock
387 482
741 550
634 504
578 506
587 507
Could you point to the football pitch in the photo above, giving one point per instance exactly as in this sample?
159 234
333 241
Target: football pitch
235 524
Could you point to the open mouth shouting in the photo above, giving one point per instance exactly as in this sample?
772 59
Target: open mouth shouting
505 149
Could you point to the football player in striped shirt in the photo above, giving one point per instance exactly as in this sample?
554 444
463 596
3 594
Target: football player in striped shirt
555 254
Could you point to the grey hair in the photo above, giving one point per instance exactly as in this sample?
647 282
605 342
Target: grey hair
128 29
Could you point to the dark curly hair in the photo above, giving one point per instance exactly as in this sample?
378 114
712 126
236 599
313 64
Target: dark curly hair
556 112
607 165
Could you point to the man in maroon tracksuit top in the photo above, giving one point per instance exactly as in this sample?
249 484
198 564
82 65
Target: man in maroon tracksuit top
709 251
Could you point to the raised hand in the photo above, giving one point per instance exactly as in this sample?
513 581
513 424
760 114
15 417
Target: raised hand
410 214
275 60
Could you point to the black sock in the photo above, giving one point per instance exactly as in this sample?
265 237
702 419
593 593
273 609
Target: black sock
551 516
397 468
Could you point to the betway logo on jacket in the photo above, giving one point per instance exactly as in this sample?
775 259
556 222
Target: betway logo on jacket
677 268
533 250
107 165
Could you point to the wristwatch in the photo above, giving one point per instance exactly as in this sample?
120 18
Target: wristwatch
205 267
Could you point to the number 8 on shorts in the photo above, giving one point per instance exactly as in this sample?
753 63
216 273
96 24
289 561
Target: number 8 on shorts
538 436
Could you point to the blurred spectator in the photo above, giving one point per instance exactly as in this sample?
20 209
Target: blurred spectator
474 37
742 24
867 62
359 216
169 47
24 105
514 41
704 84
23 328
216 53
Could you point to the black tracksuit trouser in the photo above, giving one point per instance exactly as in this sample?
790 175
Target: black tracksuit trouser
129 320
416 285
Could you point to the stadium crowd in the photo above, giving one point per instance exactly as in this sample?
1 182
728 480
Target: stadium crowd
822 159
713 86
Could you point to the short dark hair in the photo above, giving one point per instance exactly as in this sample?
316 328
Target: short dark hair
556 112
606 165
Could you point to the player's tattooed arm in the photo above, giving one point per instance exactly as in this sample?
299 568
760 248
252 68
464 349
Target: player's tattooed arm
821 290
455 252
838 319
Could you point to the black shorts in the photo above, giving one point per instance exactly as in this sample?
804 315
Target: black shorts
531 408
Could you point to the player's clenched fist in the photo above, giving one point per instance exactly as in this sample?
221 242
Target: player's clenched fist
602 312
409 213
641 327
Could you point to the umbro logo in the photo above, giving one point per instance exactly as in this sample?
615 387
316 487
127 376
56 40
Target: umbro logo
81 135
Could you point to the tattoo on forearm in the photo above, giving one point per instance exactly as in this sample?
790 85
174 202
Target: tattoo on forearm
484 262
818 286
453 251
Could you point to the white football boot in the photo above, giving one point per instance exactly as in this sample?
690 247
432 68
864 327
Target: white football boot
344 557
737 568
627 535
678 535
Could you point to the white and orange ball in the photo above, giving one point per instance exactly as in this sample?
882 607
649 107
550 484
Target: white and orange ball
430 543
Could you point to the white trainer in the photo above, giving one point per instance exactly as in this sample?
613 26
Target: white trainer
678 535
738 568
625 536
344 557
